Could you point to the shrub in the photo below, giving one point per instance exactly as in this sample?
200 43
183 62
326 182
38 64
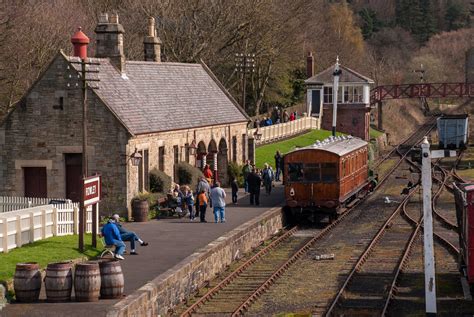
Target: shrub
234 170
159 181
188 174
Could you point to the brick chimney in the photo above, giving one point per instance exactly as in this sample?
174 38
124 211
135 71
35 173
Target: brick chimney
110 40
152 43
309 65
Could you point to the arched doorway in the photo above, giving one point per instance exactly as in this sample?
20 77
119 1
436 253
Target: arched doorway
201 153
222 162
212 156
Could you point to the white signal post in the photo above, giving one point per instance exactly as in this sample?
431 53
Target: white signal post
335 88
429 261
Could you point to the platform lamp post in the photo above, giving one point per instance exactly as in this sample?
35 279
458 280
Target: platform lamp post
80 42
337 72
244 64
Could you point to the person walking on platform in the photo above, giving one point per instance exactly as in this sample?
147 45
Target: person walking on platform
218 202
235 189
202 205
126 235
202 185
278 160
245 172
254 181
267 175
189 199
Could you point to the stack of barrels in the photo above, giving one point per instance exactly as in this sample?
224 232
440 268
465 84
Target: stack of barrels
92 279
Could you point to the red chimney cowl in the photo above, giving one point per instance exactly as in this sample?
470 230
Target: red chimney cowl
80 41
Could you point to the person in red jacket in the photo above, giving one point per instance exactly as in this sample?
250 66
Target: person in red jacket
207 173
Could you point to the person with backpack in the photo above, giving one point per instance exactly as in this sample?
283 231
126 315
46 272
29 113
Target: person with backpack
268 175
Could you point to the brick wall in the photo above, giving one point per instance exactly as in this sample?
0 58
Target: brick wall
351 119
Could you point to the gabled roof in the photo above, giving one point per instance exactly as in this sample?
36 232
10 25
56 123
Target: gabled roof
339 146
154 97
347 76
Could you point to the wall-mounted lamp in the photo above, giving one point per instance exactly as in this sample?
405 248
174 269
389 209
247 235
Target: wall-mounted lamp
257 136
135 157
192 147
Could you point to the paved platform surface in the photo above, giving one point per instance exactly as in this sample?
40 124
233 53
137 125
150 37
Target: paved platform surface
170 241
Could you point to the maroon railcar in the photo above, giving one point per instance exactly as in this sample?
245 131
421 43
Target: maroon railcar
464 197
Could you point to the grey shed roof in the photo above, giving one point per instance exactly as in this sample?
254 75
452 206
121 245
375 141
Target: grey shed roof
340 145
348 76
153 97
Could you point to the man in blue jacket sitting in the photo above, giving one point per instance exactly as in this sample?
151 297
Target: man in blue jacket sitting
111 235
126 235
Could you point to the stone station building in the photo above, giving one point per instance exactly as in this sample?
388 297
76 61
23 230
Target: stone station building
162 110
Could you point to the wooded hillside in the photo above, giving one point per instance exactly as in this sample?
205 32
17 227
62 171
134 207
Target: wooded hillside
383 39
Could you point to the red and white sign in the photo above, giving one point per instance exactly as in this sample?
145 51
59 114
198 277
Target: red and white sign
92 190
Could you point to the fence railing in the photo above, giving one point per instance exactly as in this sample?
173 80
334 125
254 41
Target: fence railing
8 203
284 130
32 224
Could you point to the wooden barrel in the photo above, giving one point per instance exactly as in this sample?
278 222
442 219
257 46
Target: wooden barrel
140 210
27 282
58 282
112 281
87 282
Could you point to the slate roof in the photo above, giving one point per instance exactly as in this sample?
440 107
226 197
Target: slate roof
340 146
155 97
348 76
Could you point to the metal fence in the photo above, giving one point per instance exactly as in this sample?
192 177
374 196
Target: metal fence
24 226
284 130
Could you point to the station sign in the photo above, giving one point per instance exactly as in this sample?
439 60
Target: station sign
92 190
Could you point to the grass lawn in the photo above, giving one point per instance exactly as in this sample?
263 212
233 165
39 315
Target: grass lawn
374 133
265 154
46 251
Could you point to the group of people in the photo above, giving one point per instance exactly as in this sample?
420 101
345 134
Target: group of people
277 117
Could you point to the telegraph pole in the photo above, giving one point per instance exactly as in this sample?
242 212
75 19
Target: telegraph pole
337 72
244 64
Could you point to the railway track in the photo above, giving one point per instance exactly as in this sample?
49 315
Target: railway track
238 291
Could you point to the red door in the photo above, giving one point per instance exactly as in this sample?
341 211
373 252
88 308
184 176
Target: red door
73 176
35 182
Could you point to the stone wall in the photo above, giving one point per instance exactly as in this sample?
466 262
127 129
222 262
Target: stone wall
351 119
172 287
37 133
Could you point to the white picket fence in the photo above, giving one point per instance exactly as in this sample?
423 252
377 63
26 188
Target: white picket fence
32 224
8 203
284 130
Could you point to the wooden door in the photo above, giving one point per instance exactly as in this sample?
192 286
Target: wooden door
35 182
73 176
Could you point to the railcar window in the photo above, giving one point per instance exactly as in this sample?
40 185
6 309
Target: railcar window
295 172
312 172
328 172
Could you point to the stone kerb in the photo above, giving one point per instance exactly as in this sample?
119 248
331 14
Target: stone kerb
169 289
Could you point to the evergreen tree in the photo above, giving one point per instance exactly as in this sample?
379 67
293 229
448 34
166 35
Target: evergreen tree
456 16
370 23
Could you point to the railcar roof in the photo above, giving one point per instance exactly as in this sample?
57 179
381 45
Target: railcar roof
339 145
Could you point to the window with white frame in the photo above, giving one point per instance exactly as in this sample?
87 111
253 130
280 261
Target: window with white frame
327 94
353 94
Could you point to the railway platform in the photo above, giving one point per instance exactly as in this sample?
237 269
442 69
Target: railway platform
170 241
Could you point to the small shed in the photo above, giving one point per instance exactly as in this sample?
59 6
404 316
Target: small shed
453 131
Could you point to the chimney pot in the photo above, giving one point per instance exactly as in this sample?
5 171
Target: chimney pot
79 40
152 43
103 18
114 19
151 27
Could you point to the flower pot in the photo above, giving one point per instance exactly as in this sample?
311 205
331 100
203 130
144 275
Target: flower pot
140 210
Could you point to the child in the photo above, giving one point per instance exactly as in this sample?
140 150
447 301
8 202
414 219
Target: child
235 189
190 202
202 205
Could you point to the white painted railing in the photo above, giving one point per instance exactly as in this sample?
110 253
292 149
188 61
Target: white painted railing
284 130
32 224
8 203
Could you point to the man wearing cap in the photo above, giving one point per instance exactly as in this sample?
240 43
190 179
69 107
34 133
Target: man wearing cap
112 237
126 235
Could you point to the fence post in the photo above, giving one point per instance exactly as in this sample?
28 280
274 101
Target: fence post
32 227
76 220
43 223
5 235
55 221
18 231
